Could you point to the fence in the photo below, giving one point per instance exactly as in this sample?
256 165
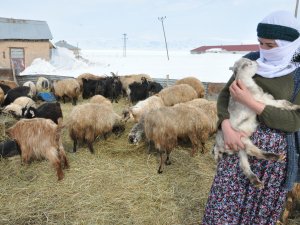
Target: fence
211 89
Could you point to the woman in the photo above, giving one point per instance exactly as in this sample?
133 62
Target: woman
233 199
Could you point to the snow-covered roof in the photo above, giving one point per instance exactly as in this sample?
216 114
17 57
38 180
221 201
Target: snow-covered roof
19 29
65 44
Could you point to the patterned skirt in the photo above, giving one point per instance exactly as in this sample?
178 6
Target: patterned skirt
234 200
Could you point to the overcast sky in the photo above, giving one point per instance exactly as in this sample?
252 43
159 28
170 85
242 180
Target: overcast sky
188 24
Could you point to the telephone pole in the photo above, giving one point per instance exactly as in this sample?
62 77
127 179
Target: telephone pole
124 45
296 9
162 23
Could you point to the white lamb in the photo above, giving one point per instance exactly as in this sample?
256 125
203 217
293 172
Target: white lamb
244 119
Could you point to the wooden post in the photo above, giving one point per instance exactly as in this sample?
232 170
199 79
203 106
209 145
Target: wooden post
13 70
167 80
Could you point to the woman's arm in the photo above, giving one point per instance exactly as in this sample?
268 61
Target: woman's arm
273 117
222 103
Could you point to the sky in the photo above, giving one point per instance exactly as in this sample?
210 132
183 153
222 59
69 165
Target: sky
100 24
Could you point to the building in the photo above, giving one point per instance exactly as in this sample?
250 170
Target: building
65 44
21 41
226 49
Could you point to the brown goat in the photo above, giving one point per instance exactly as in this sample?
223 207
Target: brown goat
165 125
40 138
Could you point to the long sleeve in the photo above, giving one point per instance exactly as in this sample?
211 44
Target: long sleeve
282 119
285 120
222 103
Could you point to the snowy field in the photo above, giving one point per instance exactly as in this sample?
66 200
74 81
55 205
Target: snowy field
208 67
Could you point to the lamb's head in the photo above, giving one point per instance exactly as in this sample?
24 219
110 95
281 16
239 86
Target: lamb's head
244 69
137 133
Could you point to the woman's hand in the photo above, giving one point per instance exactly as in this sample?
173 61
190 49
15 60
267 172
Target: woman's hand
240 93
232 138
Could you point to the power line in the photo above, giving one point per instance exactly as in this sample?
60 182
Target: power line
162 23
296 9
124 45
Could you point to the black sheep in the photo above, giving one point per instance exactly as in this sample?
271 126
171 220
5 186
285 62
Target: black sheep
49 110
9 148
15 93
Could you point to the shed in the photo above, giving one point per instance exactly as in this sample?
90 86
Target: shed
21 41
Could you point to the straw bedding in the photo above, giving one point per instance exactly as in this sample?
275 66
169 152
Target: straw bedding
119 184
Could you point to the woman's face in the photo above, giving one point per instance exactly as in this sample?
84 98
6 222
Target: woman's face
267 43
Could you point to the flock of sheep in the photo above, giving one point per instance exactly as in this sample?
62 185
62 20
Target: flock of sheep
175 112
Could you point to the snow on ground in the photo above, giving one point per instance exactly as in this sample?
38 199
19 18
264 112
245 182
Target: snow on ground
208 67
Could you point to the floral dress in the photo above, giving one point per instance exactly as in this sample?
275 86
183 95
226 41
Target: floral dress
233 200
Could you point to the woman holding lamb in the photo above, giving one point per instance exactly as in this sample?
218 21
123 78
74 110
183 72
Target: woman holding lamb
233 199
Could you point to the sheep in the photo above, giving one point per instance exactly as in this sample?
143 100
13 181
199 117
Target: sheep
10 83
136 111
32 87
67 88
48 110
9 148
194 83
292 197
15 93
99 99
244 119
88 121
87 76
177 94
40 138
5 88
210 107
15 108
165 125
138 91
43 85
126 80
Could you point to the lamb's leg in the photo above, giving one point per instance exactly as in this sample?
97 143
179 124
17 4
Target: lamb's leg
162 161
52 156
193 138
168 161
283 104
91 148
252 150
74 145
63 158
245 166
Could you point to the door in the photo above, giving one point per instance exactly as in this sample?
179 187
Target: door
17 60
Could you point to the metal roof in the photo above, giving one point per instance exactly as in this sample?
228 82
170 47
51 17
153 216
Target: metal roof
18 29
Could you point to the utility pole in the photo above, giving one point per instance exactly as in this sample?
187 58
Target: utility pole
296 9
162 23
124 46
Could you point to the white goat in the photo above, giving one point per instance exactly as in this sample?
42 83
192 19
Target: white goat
243 119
